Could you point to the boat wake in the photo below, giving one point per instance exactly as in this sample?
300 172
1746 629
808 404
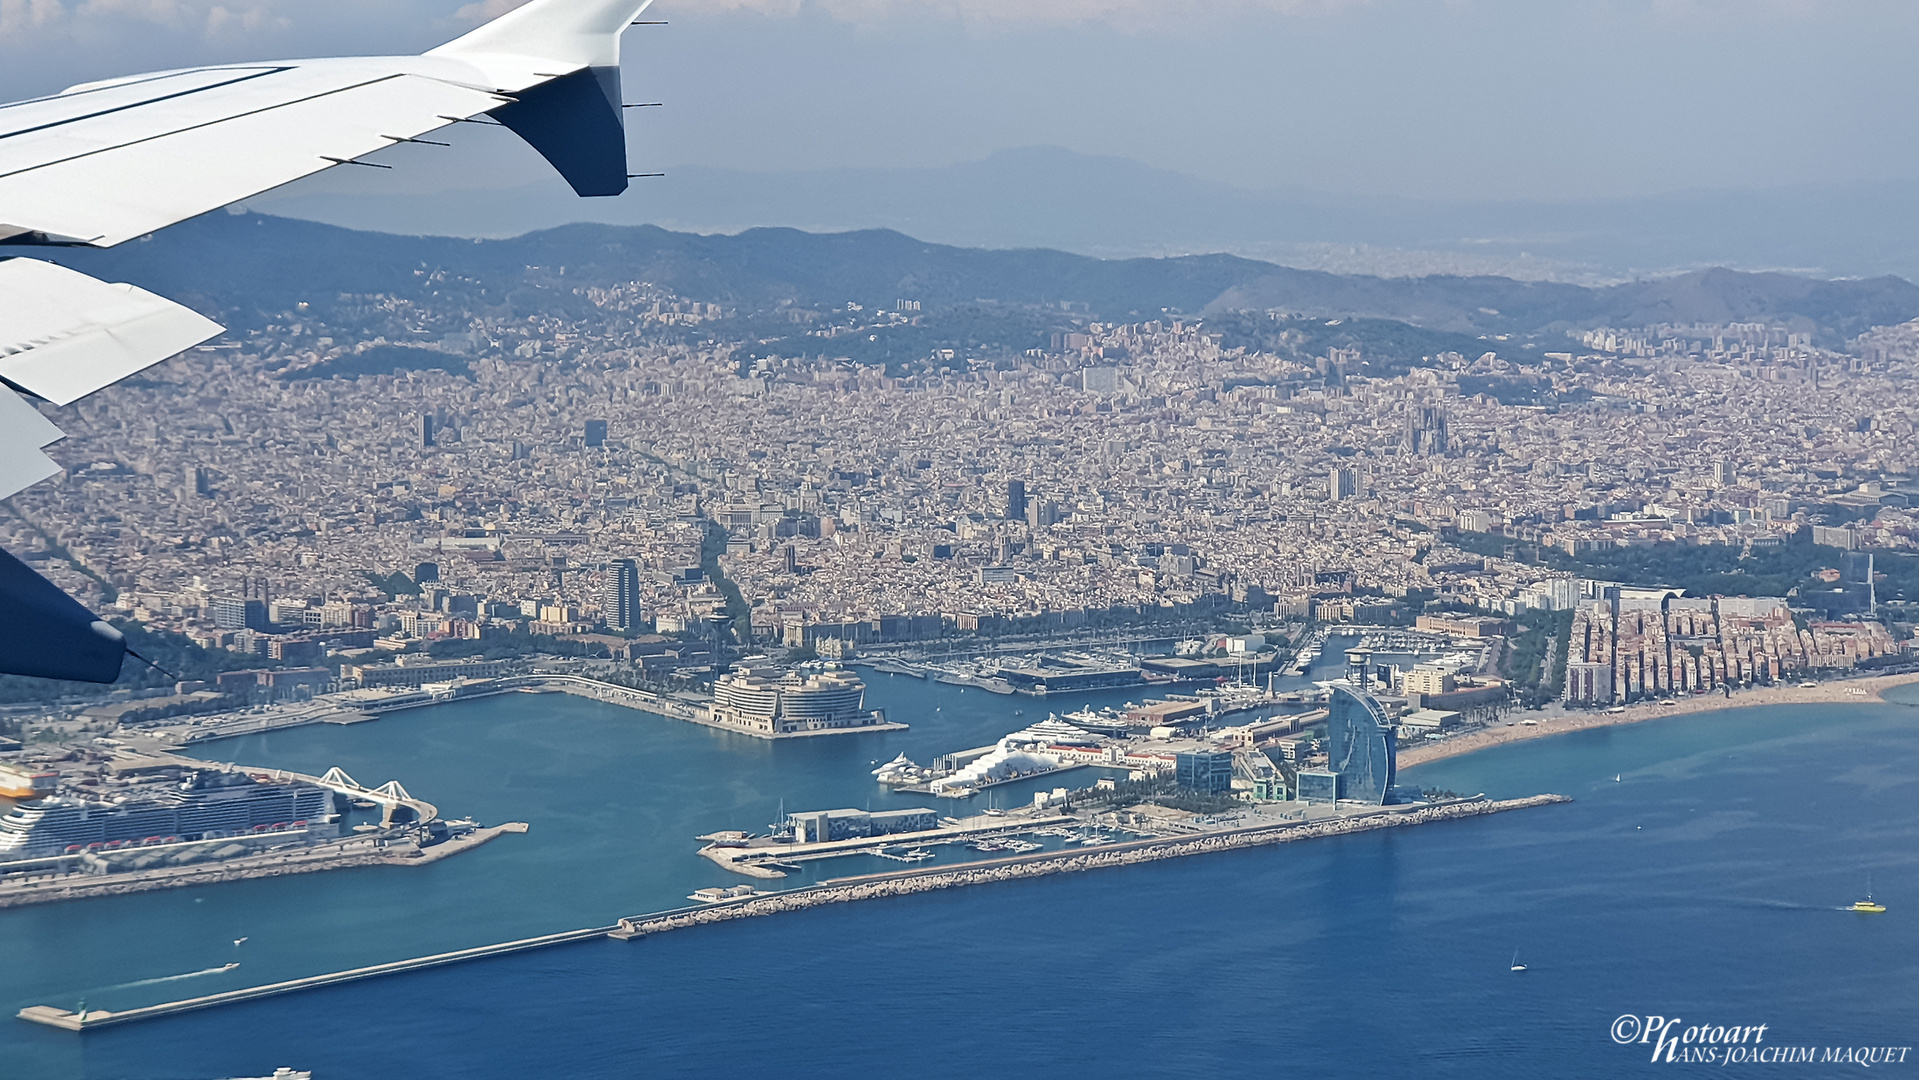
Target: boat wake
221 970
1787 905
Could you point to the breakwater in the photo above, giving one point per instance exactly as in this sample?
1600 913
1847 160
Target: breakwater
870 887
909 882
94 1018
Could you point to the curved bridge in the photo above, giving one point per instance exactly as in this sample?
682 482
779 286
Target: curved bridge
389 795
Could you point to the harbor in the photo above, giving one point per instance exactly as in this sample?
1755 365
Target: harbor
1050 671
575 871
866 887
593 751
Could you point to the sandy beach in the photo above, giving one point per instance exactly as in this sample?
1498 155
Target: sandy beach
1558 721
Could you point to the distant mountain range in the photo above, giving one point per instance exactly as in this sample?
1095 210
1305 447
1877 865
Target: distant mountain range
244 266
1110 206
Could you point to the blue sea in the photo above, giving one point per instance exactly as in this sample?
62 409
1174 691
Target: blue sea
1704 885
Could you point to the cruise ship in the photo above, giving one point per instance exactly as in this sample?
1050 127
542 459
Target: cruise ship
203 805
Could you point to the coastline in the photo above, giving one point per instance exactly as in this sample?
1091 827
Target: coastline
1835 692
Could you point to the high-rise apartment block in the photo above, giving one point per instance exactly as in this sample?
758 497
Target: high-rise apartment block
622 600
236 613
1041 514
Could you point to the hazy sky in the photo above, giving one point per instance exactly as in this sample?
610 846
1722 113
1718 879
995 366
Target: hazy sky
1542 99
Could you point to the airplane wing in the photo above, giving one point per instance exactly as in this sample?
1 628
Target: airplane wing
106 162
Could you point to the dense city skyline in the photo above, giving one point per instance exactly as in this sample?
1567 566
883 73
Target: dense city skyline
1159 472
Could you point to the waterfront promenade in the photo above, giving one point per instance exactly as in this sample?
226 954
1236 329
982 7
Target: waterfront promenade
869 887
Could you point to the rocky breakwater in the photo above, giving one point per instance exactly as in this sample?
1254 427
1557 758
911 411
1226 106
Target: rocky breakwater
905 883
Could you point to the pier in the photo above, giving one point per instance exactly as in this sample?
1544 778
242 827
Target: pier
845 890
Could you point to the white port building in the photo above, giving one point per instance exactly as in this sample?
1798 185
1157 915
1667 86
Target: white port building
782 702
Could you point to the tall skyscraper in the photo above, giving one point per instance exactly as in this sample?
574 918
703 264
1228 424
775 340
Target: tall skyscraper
1362 754
1342 484
1016 500
622 599
426 430
1856 570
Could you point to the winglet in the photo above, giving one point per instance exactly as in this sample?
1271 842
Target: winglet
561 61
564 35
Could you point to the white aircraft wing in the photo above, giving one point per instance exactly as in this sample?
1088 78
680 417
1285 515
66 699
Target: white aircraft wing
64 335
24 435
197 140
106 162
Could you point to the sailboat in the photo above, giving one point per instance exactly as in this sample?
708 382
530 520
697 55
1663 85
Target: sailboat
1867 905
1517 966
1616 776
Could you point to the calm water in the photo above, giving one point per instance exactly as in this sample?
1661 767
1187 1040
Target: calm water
1703 884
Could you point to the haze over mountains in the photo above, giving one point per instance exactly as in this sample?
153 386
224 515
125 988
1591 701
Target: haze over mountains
248 267
1112 206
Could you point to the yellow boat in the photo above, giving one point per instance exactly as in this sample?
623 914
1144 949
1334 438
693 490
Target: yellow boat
1867 904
